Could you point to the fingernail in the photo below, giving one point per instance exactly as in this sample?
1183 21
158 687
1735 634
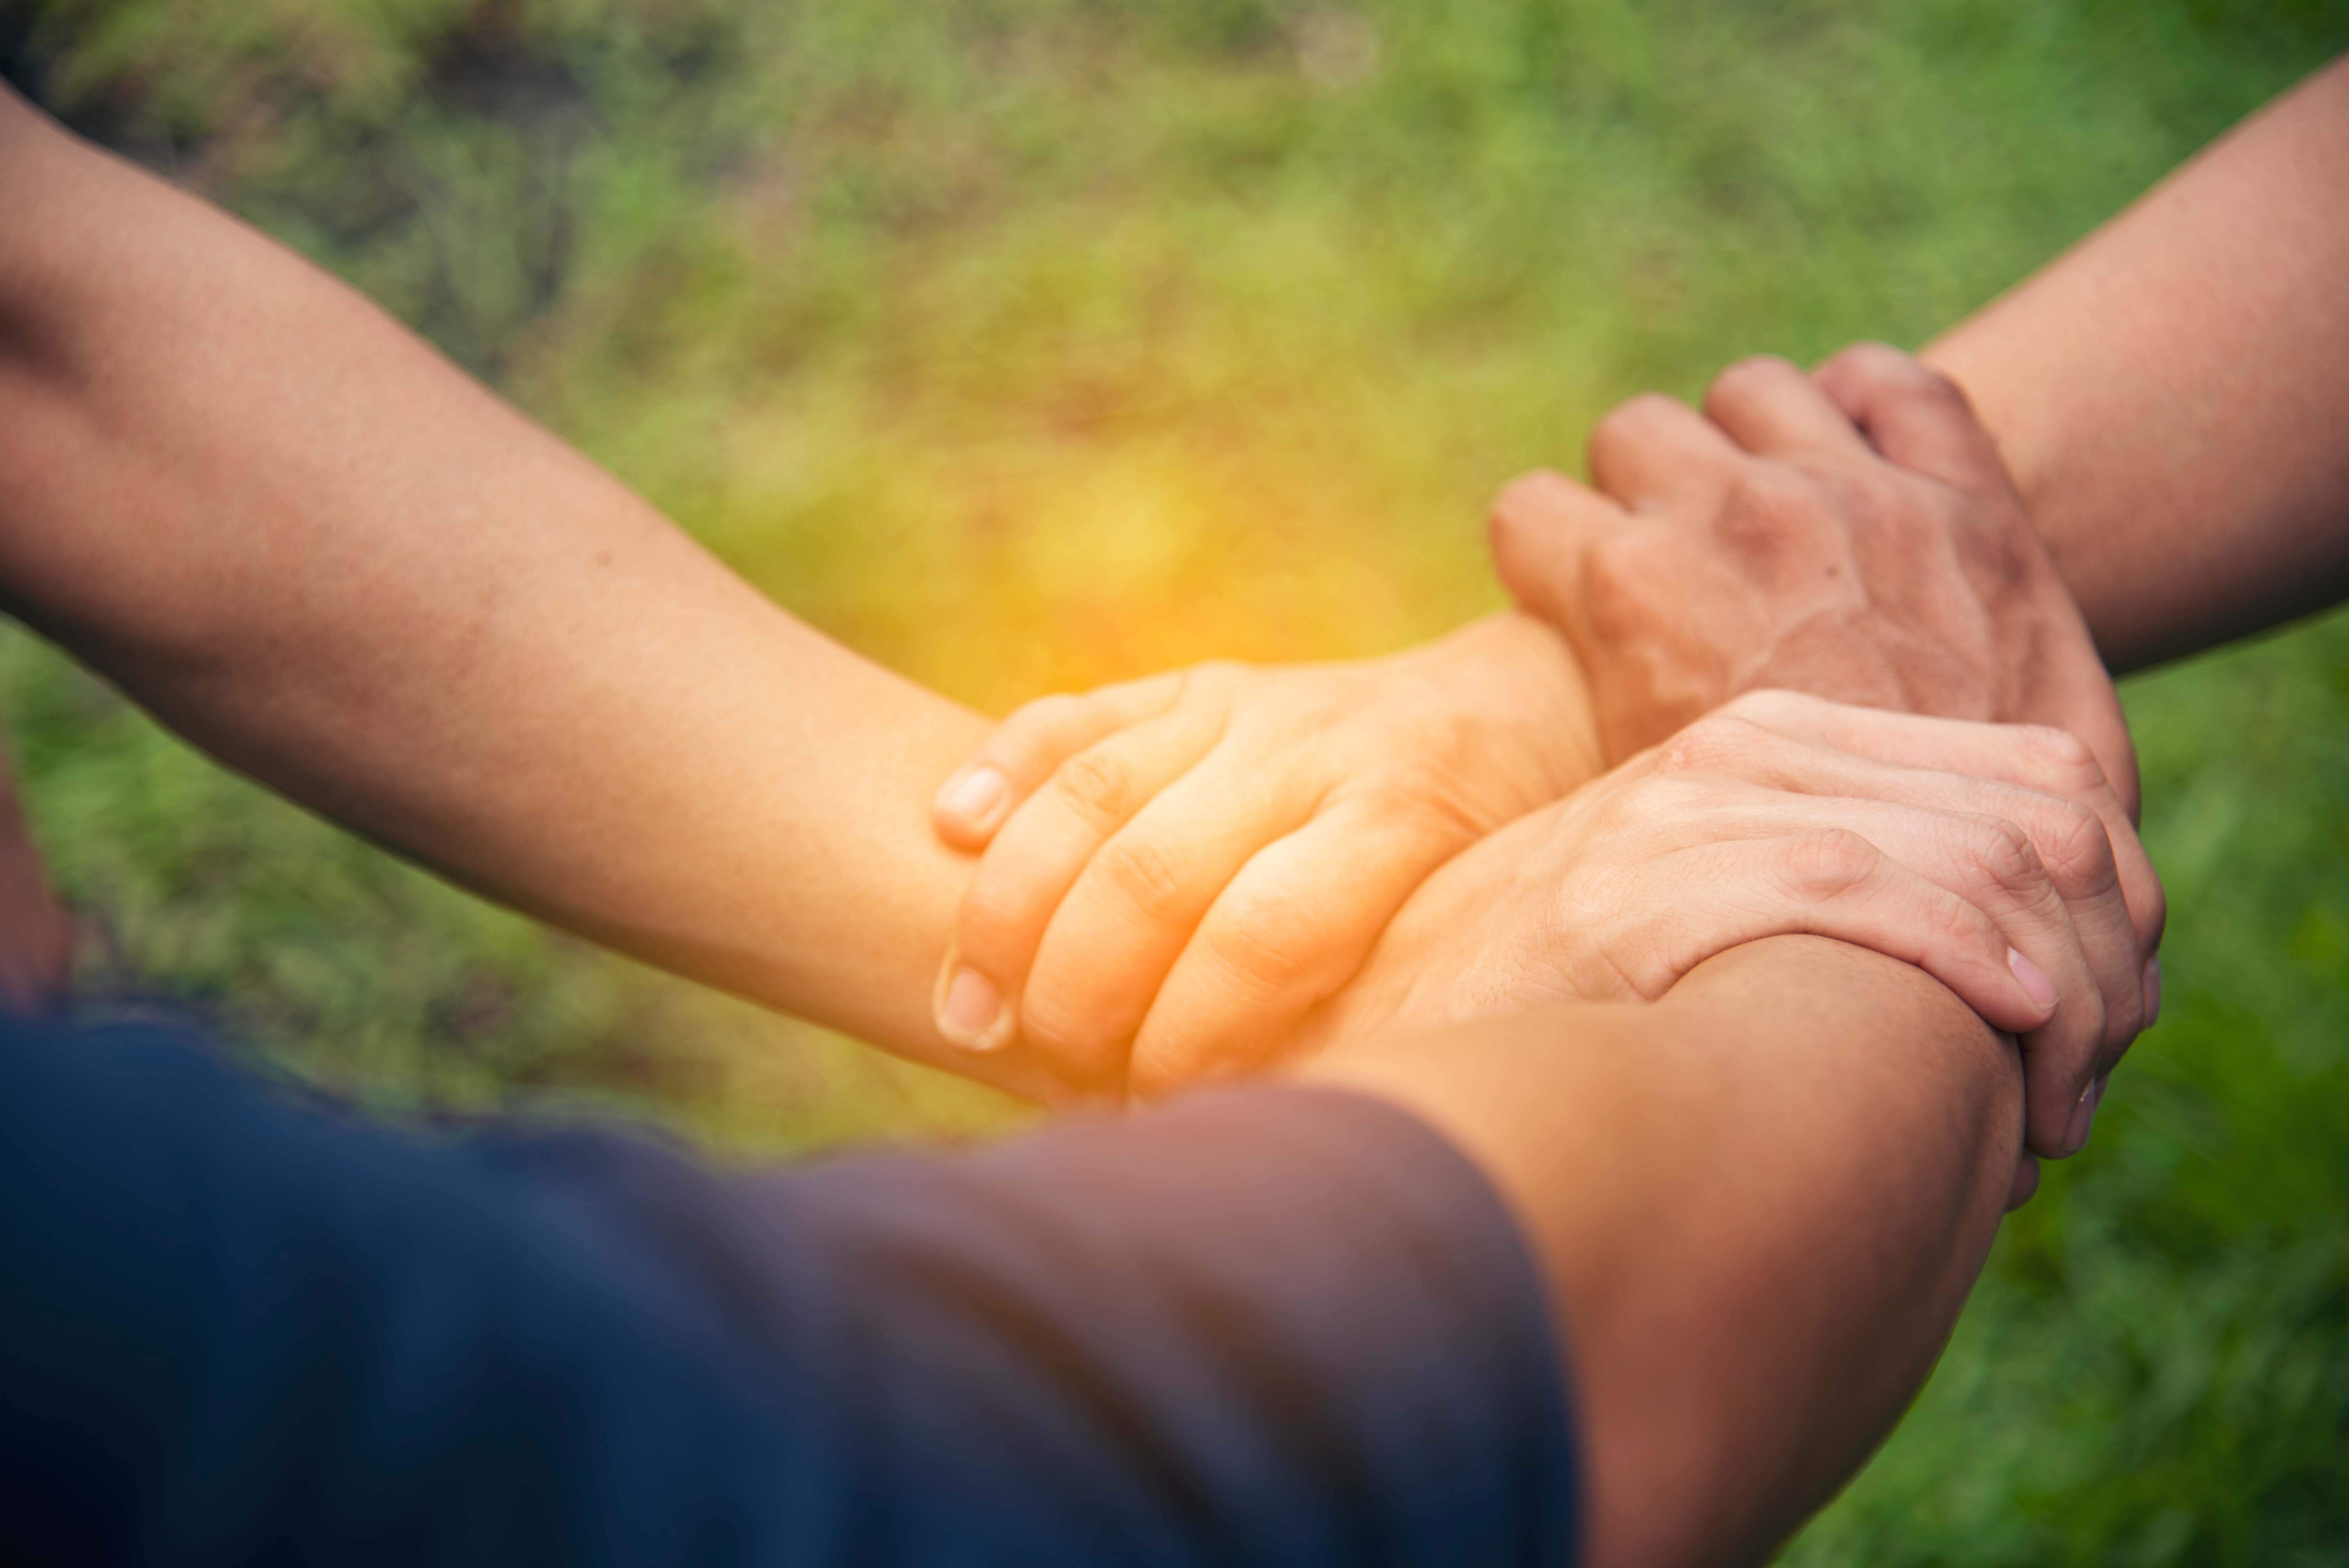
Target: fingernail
968 1017
2034 979
2083 1118
2152 991
975 798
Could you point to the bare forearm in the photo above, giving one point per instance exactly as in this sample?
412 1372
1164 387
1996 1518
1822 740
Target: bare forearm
2169 394
1761 1203
310 544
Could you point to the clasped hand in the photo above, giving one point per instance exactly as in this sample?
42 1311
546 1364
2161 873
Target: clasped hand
1196 875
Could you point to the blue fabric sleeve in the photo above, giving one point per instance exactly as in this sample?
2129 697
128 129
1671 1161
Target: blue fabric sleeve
1266 1325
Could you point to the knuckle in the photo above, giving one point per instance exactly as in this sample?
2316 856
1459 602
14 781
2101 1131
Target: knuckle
2004 854
1099 784
1143 870
1266 947
1876 498
1891 367
1768 510
1954 923
1628 423
1622 564
1925 382
1745 380
2060 756
1438 810
1530 499
2076 849
1719 742
1042 726
1832 862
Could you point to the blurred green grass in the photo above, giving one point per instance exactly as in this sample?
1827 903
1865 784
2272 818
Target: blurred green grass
1033 343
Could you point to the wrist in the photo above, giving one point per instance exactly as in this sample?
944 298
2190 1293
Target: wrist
1521 673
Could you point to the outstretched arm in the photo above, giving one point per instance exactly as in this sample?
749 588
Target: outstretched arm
2140 454
310 544
2169 394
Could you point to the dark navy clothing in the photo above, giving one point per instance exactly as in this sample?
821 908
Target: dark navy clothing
1267 1326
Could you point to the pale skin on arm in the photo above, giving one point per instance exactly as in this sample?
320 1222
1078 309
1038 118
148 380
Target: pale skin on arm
312 546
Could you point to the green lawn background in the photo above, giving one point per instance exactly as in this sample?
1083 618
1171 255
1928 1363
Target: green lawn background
1033 343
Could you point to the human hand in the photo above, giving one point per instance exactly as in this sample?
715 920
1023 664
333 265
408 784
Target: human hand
1996 858
1850 534
1177 869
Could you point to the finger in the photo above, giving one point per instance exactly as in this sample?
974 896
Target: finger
1039 854
1654 448
1917 417
1542 525
2032 756
1965 898
1817 882
1022 751
2075 693
1990 865
2070 839
1292 929
2026 1183
1125 919
1771 410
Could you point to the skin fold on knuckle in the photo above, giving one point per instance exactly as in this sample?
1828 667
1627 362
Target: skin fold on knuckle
1831 863
1964 934
1268 953
2072 841
1098 787
1721 742
1148 874
1999 855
